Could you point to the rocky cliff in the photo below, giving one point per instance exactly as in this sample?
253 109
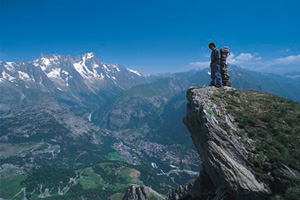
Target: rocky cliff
223 154
141 192
240 137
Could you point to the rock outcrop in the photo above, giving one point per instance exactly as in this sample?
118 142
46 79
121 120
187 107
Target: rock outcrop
141 192
226 172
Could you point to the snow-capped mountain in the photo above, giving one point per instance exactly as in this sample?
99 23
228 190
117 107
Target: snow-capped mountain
66 71
67 77
83 72
24 75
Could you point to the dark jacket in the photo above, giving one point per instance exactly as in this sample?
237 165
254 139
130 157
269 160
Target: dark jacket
215 56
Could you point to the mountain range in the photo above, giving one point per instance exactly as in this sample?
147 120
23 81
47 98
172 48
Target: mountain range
83 81
77 112
85 84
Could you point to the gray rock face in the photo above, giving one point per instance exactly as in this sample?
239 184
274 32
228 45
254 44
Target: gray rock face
141 192
222 152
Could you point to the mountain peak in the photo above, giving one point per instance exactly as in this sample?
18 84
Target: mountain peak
46 60
90 55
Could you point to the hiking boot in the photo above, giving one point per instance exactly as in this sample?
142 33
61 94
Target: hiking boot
218 86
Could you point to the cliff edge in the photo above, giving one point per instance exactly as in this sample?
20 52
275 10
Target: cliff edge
240 137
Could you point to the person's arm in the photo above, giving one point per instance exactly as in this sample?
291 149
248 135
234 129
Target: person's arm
218 55
211 57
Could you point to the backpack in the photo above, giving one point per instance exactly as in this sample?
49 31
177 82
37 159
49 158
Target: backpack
224 51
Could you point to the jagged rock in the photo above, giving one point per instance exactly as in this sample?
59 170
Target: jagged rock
200 188
141 192
223 154
191 190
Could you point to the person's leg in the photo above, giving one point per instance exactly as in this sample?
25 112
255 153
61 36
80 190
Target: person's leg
212 76
218 79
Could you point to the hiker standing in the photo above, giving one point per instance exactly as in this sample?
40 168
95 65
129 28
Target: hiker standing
215 58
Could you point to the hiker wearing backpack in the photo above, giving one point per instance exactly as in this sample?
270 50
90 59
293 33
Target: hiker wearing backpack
215 58
224 52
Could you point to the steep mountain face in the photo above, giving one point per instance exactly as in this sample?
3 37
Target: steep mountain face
140 104
66 78
247 141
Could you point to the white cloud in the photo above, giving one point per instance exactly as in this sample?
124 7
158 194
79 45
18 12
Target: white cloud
284 64
287 60
277 65
231 59
244 57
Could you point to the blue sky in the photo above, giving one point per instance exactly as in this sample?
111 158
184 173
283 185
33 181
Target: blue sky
154 36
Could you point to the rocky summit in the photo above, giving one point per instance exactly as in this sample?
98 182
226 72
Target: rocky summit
247 141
